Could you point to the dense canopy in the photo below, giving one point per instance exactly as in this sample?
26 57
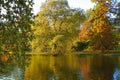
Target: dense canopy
15 25
58 29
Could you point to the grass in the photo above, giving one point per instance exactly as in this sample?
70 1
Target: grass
98 52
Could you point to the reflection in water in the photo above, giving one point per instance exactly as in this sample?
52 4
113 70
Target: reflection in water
52 68
99 67
12 66
67 67
71 68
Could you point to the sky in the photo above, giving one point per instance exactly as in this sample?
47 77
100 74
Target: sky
84 4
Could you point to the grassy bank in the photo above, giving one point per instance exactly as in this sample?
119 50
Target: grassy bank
98 52
95 52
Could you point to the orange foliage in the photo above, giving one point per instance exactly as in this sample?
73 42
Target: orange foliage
84 31
101 37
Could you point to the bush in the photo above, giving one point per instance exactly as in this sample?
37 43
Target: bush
80 46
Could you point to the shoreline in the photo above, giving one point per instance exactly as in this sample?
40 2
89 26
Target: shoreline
81 53
85 53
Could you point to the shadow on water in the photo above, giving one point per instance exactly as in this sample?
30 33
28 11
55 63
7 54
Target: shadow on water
64 67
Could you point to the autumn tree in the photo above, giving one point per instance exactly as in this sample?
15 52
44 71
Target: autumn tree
86 26
15 21
56 27
84 35
84 31
101 37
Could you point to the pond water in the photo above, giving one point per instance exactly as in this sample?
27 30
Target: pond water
69 67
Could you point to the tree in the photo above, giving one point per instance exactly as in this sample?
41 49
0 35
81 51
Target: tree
117 22
56 27
117 13
101 37
84 31
15 25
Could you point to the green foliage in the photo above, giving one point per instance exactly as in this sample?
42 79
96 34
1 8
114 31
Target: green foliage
15 25
56 27
116 34
80 46
117 12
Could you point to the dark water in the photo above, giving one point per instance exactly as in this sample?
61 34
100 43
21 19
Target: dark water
67 67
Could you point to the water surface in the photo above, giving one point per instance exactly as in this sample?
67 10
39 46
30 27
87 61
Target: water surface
69 67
